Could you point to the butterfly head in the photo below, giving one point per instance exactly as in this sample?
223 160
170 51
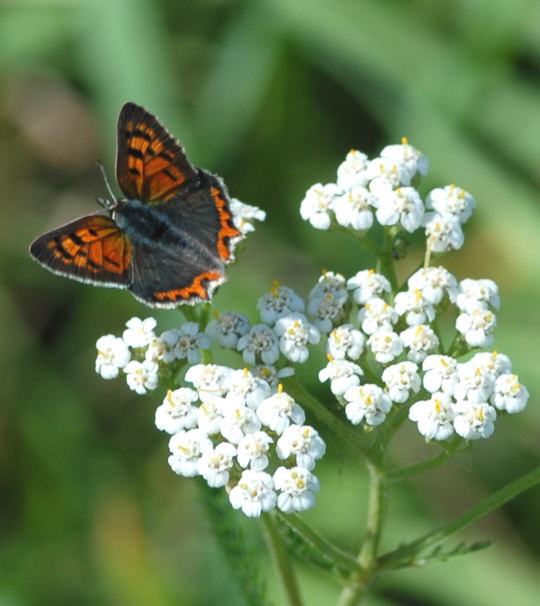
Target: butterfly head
108 205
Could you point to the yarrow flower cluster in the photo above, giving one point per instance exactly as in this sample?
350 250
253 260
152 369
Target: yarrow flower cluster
231 428
238 428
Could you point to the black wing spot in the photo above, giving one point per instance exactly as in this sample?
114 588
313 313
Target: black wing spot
136 132
166 156
75 239
112 261
136 153
169 174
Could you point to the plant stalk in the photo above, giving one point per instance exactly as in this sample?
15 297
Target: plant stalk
281 560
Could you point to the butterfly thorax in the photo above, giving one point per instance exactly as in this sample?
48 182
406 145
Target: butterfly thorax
143 222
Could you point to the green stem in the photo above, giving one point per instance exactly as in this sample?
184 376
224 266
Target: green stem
360 581
281 560
339 559
364 241
393 422
410 471
341 429
408 553
387 265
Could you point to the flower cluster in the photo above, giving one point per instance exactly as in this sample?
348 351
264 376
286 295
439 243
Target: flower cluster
232 428
237 428
380 190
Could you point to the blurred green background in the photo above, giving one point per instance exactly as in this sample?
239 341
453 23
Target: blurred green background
270 94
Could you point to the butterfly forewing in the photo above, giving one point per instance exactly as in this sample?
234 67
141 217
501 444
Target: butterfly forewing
90 249
151 166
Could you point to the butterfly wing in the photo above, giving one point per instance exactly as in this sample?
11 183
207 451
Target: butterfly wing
91 249
169 279
150 164
187 263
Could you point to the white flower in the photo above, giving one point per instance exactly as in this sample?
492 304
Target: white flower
383 174
271 375
367 402
342 374
329 282
367 284
244 215
210 413
295 333
112 354
477 325
302 441
400 379
279 302
245 388
142 376
237 422
352 172
354 208
377 315
345 341
190 342
277 412
386 345
208 378
416 309
434 417
440 373
227 328
421 340
408 160
327 310
474 420
444 232
509 394
297 486
254 493
451 200
260 342
253 450
318 203
402 205
494 362
139 332
162 348
186 449
215 463
475 382
477 294
177 411
434 282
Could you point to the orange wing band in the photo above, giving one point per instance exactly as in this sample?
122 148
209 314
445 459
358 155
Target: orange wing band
227 229
195 289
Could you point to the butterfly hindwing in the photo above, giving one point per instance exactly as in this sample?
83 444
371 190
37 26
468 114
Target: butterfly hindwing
150 164
91 249
175 275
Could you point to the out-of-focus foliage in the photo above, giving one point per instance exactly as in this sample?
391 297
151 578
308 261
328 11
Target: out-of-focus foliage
270 94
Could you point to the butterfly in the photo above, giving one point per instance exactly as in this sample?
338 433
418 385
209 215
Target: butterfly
167 241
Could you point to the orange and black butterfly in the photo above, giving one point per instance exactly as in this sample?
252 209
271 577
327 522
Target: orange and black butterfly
167 241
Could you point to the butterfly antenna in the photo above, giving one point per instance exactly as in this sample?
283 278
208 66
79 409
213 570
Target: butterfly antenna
106 203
